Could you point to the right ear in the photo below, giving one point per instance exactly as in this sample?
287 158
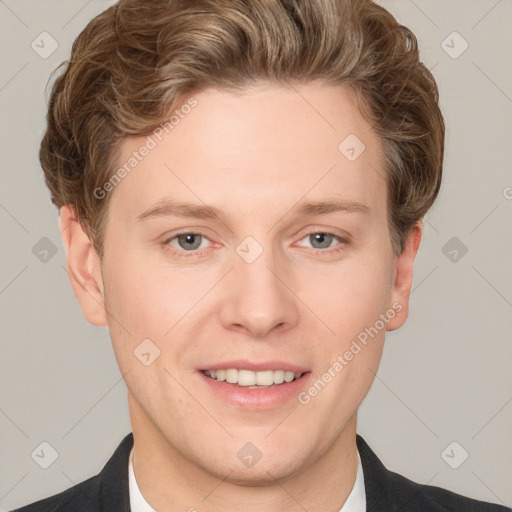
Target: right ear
83 266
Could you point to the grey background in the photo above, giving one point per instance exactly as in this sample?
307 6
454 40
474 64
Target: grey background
445 376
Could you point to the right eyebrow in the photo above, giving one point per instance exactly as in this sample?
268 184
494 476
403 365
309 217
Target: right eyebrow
180 209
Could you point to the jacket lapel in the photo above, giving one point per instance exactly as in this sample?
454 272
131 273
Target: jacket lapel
380 488
114 489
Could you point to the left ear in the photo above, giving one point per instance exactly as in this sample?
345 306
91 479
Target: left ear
402 278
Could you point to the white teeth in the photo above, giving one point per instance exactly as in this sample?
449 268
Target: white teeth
264 378
232 376
278 376
248 378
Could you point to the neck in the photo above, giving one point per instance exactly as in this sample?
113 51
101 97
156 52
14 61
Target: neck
169 481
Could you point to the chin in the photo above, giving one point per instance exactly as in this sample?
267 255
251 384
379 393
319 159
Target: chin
262 472
261 475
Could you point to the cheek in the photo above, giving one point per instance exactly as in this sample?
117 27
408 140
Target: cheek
349 297
160 304
351 303
148 300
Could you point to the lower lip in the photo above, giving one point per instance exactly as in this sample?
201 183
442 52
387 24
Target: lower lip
257 399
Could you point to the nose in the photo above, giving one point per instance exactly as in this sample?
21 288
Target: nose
259 297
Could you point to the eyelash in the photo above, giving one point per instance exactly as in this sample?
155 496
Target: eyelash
199 252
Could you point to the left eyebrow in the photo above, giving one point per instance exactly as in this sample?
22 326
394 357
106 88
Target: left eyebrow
333 206
183 209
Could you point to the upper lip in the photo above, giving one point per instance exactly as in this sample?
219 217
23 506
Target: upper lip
244 364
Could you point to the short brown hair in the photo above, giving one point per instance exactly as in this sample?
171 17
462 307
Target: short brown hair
135 62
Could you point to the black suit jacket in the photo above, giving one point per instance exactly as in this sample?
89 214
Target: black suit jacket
385 491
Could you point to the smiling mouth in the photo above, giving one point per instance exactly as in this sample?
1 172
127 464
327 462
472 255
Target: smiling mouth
253 380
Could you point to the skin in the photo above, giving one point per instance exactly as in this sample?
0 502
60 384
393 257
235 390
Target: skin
253 156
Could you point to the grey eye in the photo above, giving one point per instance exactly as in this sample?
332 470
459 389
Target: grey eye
324 239
189 241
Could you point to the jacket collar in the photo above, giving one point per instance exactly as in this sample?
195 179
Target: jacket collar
114 488
379 495
115 493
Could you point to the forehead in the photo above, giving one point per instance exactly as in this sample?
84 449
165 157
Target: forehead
267 146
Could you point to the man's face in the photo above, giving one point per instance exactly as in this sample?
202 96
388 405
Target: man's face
261 286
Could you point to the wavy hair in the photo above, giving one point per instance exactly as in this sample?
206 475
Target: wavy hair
137 61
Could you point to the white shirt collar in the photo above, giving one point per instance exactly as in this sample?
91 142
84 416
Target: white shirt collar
137 501
356 501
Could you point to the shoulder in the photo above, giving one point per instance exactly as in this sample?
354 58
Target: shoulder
436 499
108 490
82 497
389 491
